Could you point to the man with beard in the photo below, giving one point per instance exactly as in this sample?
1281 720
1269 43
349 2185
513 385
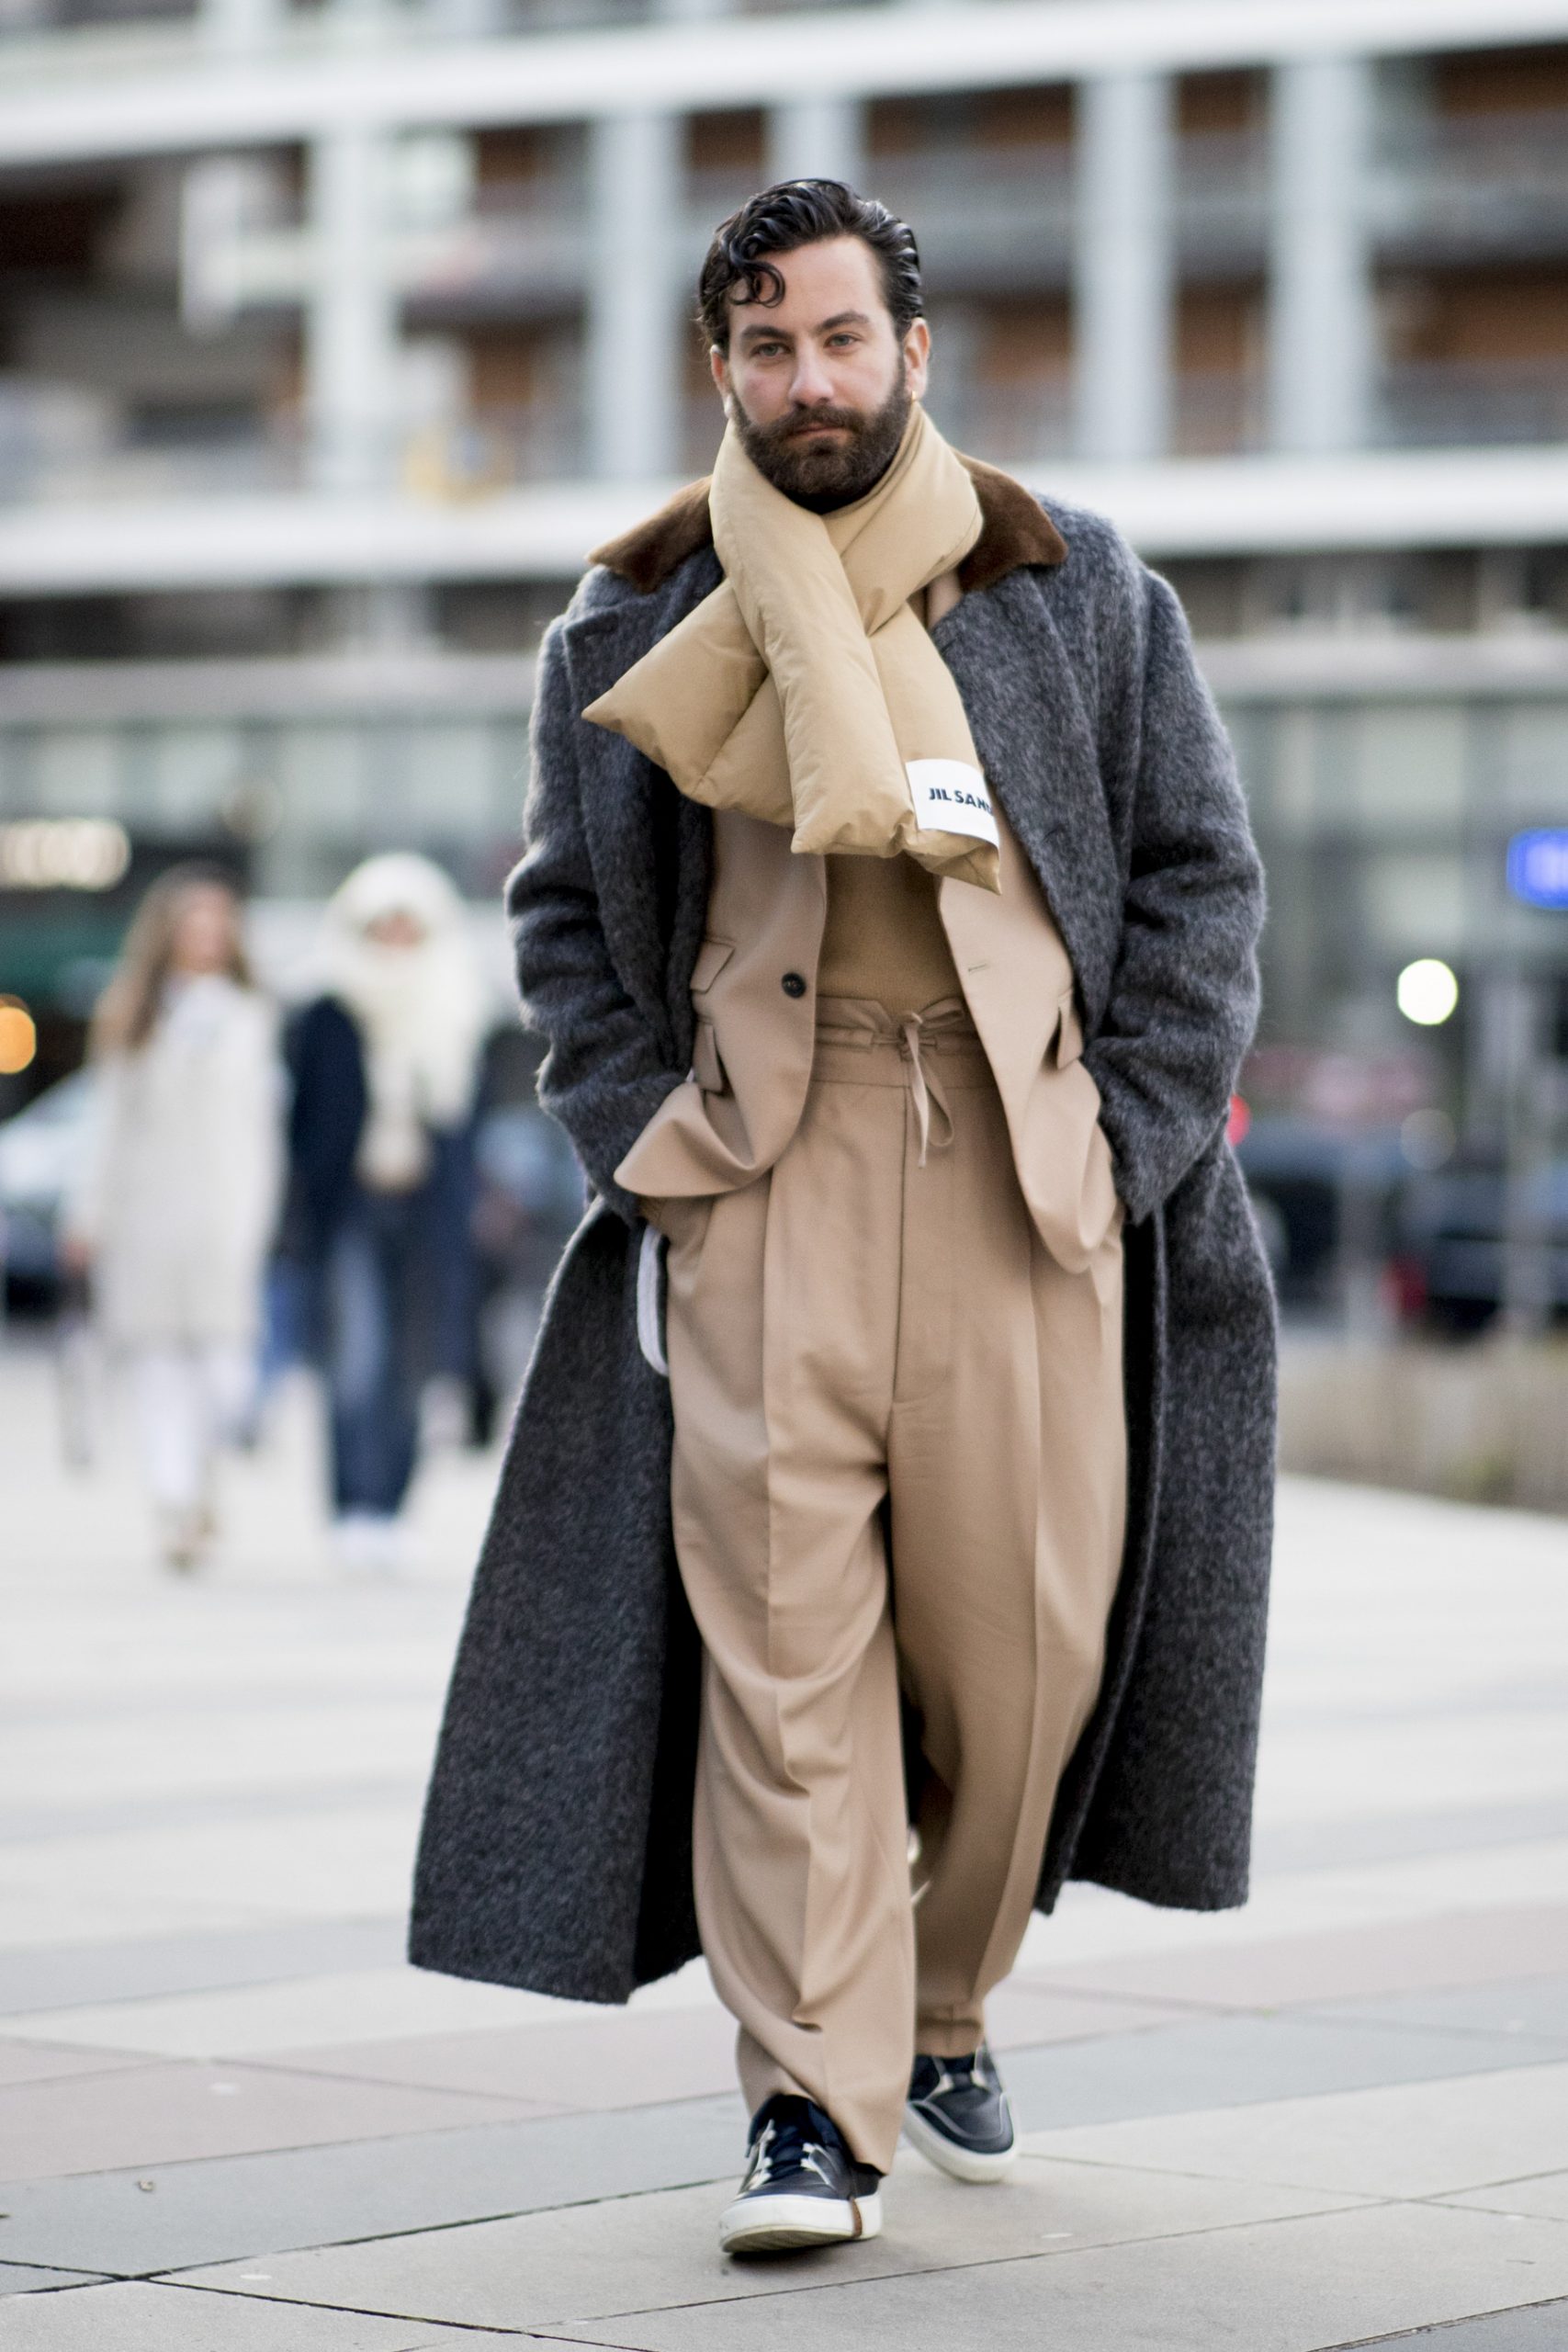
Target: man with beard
889 910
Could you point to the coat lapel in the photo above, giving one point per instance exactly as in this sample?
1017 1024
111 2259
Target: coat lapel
1038 749
637 823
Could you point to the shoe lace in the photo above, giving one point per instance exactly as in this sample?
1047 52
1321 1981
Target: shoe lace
971 2072
791 2142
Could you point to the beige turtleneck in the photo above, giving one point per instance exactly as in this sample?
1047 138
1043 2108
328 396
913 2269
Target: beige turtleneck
883 937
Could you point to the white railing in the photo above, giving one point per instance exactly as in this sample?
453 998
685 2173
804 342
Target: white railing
1473 403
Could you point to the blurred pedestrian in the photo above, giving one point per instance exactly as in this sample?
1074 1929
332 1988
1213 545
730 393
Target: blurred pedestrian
175 1209
385 1064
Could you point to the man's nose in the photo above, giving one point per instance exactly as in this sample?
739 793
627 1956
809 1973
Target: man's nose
812 387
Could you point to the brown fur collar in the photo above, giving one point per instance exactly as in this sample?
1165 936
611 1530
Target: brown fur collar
1015 530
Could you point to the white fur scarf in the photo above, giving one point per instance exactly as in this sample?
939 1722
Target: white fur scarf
419 1011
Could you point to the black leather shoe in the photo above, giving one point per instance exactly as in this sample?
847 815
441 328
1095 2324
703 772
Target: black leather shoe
802 2186
959 2117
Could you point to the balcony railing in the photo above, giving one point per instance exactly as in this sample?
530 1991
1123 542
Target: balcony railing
994 216
421 20
60 445
1464 404
70 452
1477 183
1009 423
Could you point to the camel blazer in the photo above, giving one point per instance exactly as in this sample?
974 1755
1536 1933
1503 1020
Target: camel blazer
751 1060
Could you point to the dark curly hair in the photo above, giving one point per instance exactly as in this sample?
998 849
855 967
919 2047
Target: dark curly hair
786 216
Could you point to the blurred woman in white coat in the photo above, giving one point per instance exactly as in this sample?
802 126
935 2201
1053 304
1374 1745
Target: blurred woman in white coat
179 1195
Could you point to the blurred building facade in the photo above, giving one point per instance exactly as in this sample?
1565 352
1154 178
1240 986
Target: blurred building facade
332 336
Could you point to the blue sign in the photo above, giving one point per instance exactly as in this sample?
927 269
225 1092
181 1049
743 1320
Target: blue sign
1538 866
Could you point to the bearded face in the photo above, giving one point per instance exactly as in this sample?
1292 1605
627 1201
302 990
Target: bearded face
817 380
826 457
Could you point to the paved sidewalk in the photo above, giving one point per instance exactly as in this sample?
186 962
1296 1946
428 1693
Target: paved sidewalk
231 2121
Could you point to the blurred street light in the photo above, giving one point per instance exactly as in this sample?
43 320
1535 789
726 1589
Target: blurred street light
1426 991
18 1036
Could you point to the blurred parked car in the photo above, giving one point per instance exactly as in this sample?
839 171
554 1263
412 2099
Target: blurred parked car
40 1148
1321 1194
1452 1231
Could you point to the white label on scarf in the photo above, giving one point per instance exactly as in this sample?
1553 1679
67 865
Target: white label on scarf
950 798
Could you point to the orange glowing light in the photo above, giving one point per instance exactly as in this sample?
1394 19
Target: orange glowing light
18 1036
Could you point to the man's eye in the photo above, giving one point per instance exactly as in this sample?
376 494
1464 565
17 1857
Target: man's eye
766 350
845 338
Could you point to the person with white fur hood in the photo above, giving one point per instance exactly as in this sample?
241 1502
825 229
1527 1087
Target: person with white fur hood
385 1061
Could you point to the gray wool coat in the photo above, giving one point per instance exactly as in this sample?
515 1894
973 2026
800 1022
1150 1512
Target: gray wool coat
556 1850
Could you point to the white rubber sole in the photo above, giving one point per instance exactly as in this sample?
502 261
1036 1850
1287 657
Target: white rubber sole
785 2225
959 2163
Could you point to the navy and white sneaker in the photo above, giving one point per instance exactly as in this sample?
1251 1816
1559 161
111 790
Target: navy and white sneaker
959 2117
802 2186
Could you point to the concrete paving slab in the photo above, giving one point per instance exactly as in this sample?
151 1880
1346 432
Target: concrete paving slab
360 2005
1241 2060
610 2060
278 1743
212 2211
1395 1837
47 2062
1480 1750
1023 2013
598 2058
1091 1930
660 2250
1437 1950
136 1968
164 2115
28 2278
1533 2008
1542 2328
137 2318
1289 2286
337 1862
47 1908
1545 2195
234 1807
1419 2140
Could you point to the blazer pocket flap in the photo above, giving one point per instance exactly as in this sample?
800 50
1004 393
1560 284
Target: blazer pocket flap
712 958
1069 1030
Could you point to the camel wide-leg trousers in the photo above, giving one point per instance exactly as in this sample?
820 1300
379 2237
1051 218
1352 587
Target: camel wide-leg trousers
899 1464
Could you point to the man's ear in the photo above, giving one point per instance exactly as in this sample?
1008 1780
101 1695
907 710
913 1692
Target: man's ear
719 368
916 350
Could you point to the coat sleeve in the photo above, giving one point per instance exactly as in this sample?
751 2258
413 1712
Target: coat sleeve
603 1074
1184 990
326 1114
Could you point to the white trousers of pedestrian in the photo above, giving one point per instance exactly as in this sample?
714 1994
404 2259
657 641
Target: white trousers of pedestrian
189 1398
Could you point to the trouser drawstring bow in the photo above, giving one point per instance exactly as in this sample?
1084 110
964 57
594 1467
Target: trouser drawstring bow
925 1091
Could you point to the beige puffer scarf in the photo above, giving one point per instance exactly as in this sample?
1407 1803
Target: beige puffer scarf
806 689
